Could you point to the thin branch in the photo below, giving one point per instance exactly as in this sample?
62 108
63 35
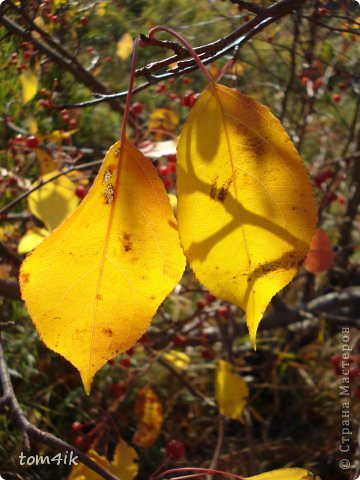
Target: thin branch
208 53
51 179
29 431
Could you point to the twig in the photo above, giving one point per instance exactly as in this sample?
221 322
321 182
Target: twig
29 431
219 444
18 199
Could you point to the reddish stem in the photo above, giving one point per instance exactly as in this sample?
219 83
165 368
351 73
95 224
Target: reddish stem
187 45
130 89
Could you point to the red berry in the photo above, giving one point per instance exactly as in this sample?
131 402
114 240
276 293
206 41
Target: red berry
144 339
125 362
201 304
25 44
137 108
318 83
164 170
77 426
175 449
81 191
84 21
19 138
186 80
32 142
208 354
172 157
179 340
353 373
161 87
90 49
323 11
168 184
336 359
27 54
54 19
336 98
210 298
322 176
223 311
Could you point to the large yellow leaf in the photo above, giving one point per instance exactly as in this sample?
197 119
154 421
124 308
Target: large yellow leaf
149 415
125 46
46 162
246 209
53 202
29 82
124 464
94 284
231 392
286 474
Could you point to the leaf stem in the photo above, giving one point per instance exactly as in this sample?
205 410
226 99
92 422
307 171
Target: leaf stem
161 28
130 90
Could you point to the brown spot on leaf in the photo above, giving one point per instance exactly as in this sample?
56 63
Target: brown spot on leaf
25 277
107 331
99 297
224 190
213 188
127 243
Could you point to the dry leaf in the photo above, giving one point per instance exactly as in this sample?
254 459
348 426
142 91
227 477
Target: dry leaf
93 286
29 82
246 208
321 255
231 392
125 46
286 474
124 465
53 202
149 416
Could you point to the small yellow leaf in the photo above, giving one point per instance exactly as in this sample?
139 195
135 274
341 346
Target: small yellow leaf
246 208
29 82
53 202
286 474
231 392
125 46
163 119
178 360
57 135
93 286
32 238
46 162
33 125
149 416
124 465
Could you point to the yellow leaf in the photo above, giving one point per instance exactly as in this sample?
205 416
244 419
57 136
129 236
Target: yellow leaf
149 416
231 392
29 82
163 119
124 465
173 201
286 474
33 125
246 208
32 238
57 135
125 46
178 360
46 162
53 202
93 286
